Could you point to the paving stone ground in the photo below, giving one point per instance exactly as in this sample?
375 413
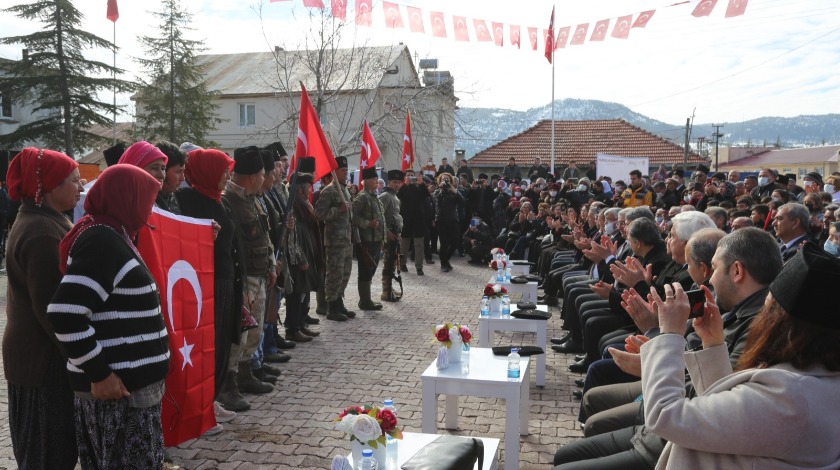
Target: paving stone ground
376 356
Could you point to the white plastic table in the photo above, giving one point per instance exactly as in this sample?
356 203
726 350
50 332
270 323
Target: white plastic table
412 442
528 290
520 269
487 325
486 377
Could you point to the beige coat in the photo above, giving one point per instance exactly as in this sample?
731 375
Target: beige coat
763 419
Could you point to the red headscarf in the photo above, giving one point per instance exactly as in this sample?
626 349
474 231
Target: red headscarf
141 154
204 170
122 198
34 172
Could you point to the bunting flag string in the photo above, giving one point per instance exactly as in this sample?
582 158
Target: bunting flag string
418 21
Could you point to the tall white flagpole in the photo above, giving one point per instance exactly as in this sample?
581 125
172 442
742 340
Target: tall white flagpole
553 48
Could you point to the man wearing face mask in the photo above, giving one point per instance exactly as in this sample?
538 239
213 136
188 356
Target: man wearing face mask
813 183
766 184
553 194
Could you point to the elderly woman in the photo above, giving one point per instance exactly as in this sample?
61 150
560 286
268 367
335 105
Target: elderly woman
147 157
207 171
778 409
40 398
106 315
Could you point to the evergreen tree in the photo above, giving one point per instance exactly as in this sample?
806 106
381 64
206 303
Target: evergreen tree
56 78
174 102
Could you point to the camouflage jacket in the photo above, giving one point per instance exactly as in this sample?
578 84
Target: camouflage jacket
336 223
367 207
391 207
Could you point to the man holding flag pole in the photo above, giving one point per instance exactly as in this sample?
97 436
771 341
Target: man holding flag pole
368 218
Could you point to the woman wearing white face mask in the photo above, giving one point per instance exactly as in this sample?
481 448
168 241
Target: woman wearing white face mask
832 245
832 186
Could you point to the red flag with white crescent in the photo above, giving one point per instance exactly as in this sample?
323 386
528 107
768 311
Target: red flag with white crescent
643 18
179 254
704 8
311 141
532 35
621 30
460 25
549 38
408 146
580 34
438 26
482 34
113 13
339 9
364 12
736 8
393 17
498 33
370 151
313 3
599 33
562 37
415 20
515 36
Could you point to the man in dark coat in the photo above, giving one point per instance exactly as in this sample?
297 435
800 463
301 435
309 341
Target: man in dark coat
413 196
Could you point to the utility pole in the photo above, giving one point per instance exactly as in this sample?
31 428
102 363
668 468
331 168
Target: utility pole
687 137
717 135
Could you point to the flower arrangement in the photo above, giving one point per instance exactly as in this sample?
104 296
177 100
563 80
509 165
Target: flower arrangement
368 424
498 264
495 291
445 332
497 251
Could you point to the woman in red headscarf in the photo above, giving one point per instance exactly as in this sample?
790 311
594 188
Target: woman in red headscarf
40 397
106 316
207 171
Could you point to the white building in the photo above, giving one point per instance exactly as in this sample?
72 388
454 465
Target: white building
259 97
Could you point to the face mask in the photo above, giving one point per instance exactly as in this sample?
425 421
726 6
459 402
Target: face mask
777 199
687 198
829 188
659 219
609 228
831 248
763 181
582 187
553 193
517 194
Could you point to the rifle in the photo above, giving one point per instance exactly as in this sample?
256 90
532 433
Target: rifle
397 263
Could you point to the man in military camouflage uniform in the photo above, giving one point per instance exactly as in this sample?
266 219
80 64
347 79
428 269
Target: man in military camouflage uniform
393 225
333 210
369 219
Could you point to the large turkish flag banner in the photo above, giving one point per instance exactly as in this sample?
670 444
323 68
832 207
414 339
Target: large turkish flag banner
179 254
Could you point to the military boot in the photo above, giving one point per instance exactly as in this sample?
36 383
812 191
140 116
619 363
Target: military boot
334 312
250 384
320 302
365 302
343 309
229 396
387 292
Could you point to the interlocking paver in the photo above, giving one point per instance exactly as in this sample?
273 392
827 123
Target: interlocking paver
378 355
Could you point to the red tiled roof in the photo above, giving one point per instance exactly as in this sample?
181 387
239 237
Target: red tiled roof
581 141
826 153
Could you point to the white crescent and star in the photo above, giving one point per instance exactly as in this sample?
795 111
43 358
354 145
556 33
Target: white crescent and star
183 270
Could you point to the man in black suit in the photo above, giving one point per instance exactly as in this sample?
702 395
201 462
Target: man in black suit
791 225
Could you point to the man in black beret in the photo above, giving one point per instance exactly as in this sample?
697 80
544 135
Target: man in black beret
333 210
369 219
258 264
393 229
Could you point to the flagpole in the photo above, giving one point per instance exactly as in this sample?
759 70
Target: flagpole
114 140
553 48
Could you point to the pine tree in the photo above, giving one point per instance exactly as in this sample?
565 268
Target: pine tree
174 102
57 80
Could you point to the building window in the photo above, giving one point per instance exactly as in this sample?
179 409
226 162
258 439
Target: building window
802 172
819 170
5 106
247 115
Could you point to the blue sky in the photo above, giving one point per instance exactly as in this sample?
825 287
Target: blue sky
778 59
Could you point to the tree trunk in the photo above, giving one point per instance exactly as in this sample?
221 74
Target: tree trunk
171 77
65 91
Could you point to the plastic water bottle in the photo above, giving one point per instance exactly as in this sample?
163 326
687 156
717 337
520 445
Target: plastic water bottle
500 275
389 405
506 306
485 306
507 274
368 462
513 364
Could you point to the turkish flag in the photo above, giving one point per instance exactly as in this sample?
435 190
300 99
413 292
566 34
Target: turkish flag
393 17
621 30
562 37
532 34
736 8
311 141
438 27
460 25
363 12
415 20
408 146
498 33
515 36
179 254
370 151
643 18
704 8
482 34
580 34
313 3
549 38
599 33
113 12
339 9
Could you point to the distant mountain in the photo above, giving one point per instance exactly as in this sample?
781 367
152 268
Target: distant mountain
479 128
